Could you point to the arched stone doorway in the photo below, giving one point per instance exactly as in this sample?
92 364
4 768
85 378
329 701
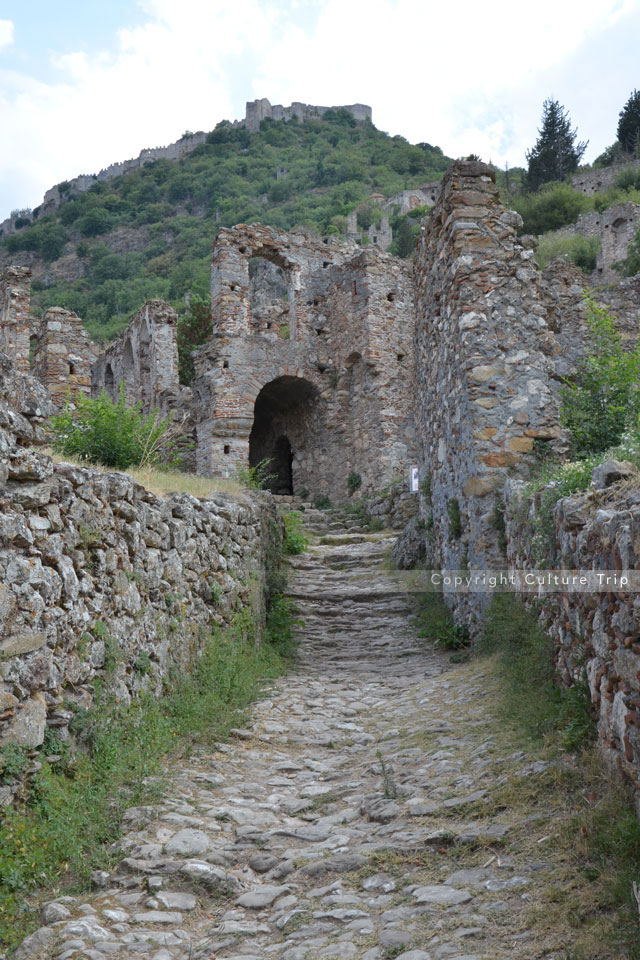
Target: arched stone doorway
285 421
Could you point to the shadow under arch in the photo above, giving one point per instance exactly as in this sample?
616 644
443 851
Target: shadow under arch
287 415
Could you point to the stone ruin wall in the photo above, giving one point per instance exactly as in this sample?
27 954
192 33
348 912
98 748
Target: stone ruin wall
56 348
143 360
259 110
346 343
98 576
616 227
15 317
485 358
596 633
591 182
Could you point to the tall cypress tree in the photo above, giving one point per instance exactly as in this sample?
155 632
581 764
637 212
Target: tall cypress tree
556 152
629 124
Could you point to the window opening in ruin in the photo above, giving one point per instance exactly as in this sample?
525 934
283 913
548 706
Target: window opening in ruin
33 346
325 264
109 380
400 357
72 369
354 287
375 239
285 416
269 284
391 296
225 364
227 448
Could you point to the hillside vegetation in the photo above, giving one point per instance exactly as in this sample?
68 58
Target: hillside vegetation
149 233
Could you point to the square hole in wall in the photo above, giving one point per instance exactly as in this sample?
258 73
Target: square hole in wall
227 448
225 364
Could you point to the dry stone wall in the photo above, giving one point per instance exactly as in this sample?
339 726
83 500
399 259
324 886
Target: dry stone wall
99 576
596 633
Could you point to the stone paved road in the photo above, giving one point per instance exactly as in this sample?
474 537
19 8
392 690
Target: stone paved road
350 820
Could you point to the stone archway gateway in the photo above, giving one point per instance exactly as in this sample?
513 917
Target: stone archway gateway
287 417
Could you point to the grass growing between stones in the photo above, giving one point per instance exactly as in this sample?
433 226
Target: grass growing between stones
532 698
163 482
578 817
74 806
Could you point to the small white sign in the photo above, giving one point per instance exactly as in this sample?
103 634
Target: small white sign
414 482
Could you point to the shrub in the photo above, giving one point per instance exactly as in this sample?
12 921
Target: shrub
553 206
630 266
434 622
294 539
103 431
603 397
255 478
322 502
455 519
581 250
354 481
554 482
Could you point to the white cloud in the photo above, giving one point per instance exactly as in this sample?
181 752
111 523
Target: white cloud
7 31
461 77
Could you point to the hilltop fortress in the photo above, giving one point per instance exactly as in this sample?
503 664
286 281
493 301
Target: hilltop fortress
256 111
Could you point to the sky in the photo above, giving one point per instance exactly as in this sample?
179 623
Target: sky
84 84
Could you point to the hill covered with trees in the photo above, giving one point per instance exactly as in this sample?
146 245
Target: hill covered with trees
149 233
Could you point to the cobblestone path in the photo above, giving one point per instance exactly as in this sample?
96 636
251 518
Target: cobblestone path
353 818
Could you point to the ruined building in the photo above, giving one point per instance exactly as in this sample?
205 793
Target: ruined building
335 362
342 364
309 364
55 348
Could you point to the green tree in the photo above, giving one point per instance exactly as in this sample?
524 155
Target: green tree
194 327
556 152
603 398
629 124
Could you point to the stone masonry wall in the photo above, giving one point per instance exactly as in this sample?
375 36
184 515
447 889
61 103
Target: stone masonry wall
259 110
485 361
15 324
144 359
97 575
338 349
596 632
591 182
63 354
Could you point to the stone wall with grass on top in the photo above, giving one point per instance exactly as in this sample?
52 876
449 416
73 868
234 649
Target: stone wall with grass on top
101 579
596 633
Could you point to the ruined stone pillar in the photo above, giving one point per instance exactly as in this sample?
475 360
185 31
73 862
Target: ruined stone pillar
15 322
485 368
